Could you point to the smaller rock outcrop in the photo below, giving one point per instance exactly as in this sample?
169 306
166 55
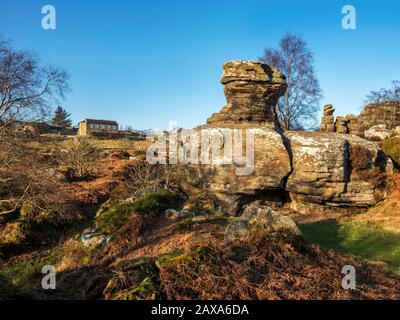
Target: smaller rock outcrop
375 122
260 219
341 125
178 214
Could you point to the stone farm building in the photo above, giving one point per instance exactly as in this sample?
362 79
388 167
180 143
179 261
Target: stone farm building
89 126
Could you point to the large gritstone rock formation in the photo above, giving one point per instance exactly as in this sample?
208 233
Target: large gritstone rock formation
316 171
252 90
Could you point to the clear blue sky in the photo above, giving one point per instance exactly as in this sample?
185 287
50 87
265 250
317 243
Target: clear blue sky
146 62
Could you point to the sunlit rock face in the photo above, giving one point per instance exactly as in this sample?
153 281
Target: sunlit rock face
324 175
252 90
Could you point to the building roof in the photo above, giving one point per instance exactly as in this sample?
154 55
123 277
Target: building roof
101 121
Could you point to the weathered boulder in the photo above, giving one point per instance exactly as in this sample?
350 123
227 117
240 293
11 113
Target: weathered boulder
178 214
395 132
92 238
377 133
323 175
230 183
258 218
375 122
386 113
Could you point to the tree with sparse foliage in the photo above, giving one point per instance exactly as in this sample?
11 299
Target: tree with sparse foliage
384 94
62 118
27 88
298 108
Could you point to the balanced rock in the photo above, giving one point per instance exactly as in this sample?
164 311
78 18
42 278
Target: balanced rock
252 89
327 124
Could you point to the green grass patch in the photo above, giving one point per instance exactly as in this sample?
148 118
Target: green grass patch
113 220
367 241
176 259
24 273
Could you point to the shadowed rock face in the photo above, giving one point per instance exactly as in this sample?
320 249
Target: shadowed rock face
252 90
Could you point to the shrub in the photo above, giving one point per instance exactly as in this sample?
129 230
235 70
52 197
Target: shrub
7 289
375 138
133 280
117 218
80 157
361 165
391 146
360 158
143 178
74 255
374 176
14 233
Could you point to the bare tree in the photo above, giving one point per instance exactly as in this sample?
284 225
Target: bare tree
383 94
26 87
298 108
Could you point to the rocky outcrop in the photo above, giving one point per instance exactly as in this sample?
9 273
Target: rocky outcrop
316 171
252 90
375 122
385 114
323 177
